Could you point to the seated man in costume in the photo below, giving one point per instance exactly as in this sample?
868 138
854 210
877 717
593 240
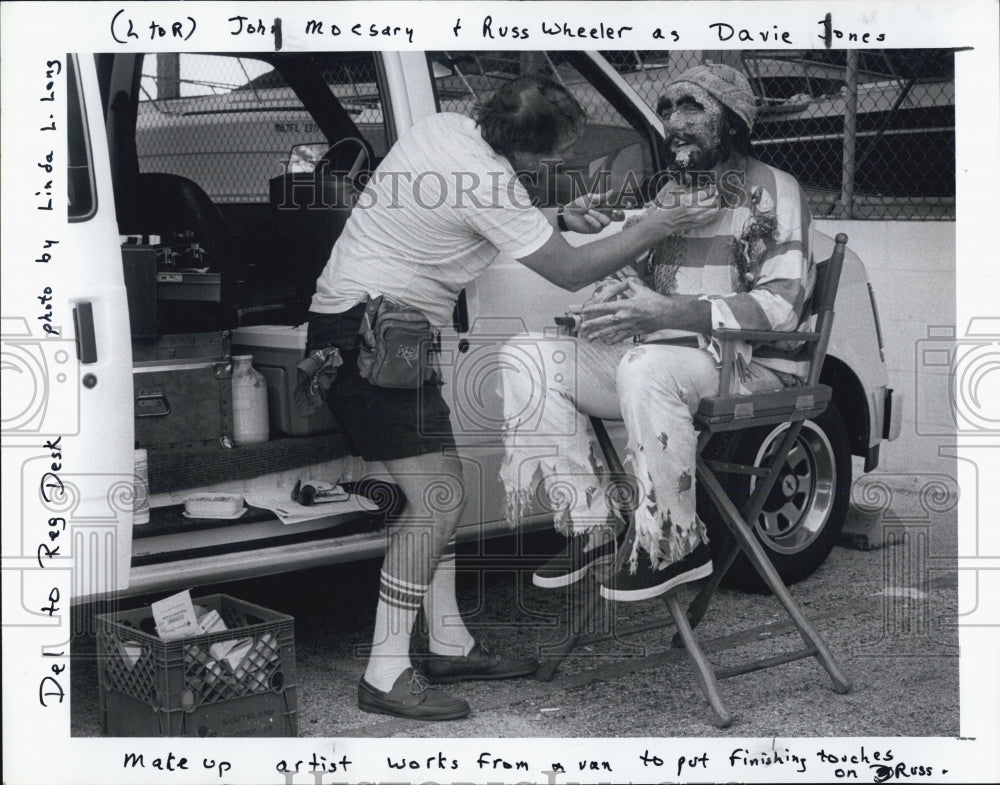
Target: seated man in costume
644 352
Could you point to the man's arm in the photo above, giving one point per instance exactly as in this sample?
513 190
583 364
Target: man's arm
573 268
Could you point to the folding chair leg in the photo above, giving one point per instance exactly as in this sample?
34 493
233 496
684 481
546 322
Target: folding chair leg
731 549
585 596
755 553
703 670
699 605
584 601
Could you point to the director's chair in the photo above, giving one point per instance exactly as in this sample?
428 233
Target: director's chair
732 411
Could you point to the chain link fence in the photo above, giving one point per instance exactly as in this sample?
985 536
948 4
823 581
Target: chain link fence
869 134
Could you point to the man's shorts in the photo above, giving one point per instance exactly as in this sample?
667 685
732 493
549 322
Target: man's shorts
380 423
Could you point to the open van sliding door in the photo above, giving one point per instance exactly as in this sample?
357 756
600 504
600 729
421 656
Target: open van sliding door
96 480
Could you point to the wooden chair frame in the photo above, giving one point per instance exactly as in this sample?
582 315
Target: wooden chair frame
730 411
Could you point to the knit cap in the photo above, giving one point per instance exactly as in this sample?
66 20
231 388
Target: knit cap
726 85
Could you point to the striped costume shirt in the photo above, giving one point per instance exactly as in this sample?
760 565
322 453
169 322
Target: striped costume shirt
769 293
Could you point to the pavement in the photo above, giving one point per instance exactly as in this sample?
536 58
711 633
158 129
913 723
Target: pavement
887 603
888 613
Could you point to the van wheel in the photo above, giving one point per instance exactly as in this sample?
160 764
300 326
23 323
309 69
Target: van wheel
805 511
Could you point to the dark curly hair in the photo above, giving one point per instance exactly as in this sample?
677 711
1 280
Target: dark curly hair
530 114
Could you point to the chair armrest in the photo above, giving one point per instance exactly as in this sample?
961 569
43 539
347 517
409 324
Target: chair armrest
730 334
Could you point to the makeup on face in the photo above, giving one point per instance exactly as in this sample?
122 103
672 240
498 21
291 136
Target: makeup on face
695 126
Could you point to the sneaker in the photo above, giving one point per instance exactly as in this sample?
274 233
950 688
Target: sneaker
573 562
646 583
479 663
413 698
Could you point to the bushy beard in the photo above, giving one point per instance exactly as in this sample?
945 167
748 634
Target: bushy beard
700 152
694 157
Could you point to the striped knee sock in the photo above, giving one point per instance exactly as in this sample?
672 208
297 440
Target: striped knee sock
398 605
446 631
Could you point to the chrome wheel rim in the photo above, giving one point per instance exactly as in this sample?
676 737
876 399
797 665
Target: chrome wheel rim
799 505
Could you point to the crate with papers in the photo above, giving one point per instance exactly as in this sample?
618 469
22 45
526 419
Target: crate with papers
208 666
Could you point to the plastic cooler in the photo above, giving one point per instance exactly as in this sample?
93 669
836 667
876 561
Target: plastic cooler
152 687
276 350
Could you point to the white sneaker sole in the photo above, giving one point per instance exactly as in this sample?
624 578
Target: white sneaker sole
648 593
558 581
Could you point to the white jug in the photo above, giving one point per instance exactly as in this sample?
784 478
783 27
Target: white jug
250 418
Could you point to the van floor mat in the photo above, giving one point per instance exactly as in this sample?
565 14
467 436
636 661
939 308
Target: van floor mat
179 469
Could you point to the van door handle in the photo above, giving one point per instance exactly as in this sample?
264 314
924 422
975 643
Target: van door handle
86 341
460 314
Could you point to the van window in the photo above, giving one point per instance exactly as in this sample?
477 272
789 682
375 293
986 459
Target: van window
80 174
353 79
230 122
612 153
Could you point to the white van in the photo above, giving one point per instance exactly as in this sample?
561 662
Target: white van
202 207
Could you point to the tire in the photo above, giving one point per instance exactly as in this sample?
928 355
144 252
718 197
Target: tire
805 511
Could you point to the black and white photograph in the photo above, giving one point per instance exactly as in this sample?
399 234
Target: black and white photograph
408 392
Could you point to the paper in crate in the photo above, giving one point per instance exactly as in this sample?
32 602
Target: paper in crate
174 616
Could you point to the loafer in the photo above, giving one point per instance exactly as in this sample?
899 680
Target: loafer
412 698
646 583
479 663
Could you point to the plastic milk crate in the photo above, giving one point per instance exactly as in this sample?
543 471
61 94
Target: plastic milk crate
152 687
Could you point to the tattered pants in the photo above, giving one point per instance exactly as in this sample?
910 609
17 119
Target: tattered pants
550 386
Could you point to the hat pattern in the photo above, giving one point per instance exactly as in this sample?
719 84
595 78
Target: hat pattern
726 85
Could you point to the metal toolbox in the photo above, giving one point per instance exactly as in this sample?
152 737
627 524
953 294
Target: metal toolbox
183 392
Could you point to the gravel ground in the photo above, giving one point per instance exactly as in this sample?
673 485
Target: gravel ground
888 619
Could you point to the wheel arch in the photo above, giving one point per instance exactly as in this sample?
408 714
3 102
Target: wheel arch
850 399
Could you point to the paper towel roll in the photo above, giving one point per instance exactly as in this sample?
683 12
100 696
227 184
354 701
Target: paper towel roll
140 503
